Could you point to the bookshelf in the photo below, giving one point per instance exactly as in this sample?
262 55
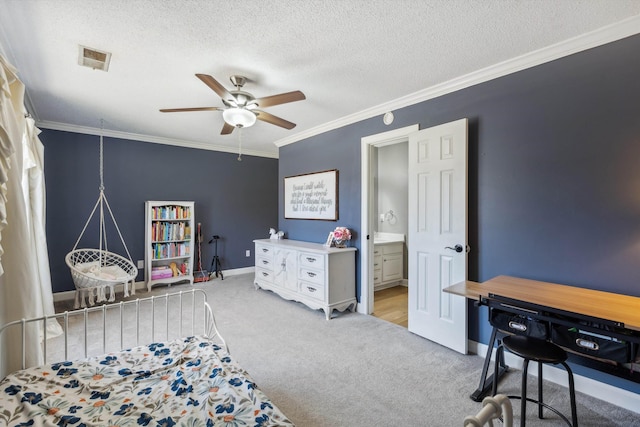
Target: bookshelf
169 242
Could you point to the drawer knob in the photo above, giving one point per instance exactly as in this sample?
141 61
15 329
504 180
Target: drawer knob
264 261
265 274
311 289
265 250
311 259
310 274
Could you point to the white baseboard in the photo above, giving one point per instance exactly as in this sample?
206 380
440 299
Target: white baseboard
608 393
69 295
401 282
387 286
238 271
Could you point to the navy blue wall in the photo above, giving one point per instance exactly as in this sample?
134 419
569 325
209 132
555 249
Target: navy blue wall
314 155
236 200
554 182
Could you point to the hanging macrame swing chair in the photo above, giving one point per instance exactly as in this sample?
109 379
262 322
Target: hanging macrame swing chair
94 270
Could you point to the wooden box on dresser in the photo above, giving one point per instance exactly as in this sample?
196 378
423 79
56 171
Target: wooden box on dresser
311 273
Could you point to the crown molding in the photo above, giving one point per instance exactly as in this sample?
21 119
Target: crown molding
620 30
153 139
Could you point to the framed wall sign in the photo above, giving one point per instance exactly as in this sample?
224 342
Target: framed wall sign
312 196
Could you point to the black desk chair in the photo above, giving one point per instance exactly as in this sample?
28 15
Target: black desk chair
543 352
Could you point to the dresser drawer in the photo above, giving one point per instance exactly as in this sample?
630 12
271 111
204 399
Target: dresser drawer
264 251
264 275
312 290
311 275
311 260
264 262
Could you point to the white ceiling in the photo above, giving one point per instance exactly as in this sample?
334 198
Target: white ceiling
353 59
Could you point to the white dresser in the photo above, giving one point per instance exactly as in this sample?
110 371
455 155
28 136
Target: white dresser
313 274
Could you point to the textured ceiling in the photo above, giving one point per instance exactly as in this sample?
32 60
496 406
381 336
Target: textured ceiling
353 59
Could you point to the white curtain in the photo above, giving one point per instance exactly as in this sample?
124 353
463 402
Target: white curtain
25 282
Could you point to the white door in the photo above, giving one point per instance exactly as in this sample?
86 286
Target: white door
437 223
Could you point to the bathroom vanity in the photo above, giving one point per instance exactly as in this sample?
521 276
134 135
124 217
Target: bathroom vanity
388 260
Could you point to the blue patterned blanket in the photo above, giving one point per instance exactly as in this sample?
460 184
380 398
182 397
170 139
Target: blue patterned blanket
186 382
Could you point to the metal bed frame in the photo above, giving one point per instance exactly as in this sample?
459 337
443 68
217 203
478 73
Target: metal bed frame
195 316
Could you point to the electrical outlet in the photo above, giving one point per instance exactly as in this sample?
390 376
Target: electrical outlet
140 263
248 253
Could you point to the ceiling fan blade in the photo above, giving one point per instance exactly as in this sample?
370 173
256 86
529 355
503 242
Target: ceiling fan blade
227 129
270 118
216 87
179 110
282 98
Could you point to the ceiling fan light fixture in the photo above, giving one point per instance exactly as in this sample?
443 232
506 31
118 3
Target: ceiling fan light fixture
239 117
241 108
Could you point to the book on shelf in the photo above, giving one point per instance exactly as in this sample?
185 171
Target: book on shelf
171 212
168 231
171 250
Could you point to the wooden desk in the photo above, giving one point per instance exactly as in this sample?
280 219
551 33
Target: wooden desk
614 315
619 308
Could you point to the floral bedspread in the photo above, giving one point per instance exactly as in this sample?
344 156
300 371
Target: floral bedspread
186 382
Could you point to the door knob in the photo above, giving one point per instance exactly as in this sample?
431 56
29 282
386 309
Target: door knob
458 248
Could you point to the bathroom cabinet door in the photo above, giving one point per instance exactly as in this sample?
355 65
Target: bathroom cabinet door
392 267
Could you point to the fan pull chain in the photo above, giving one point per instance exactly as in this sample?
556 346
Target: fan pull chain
239 143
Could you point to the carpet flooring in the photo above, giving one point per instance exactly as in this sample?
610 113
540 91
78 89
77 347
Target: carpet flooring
358 370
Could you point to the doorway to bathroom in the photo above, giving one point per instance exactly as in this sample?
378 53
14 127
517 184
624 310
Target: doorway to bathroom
384 221
389 169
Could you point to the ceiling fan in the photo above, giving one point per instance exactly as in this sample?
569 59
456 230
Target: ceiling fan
241 109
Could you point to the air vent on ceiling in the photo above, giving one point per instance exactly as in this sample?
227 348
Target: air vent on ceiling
92 58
